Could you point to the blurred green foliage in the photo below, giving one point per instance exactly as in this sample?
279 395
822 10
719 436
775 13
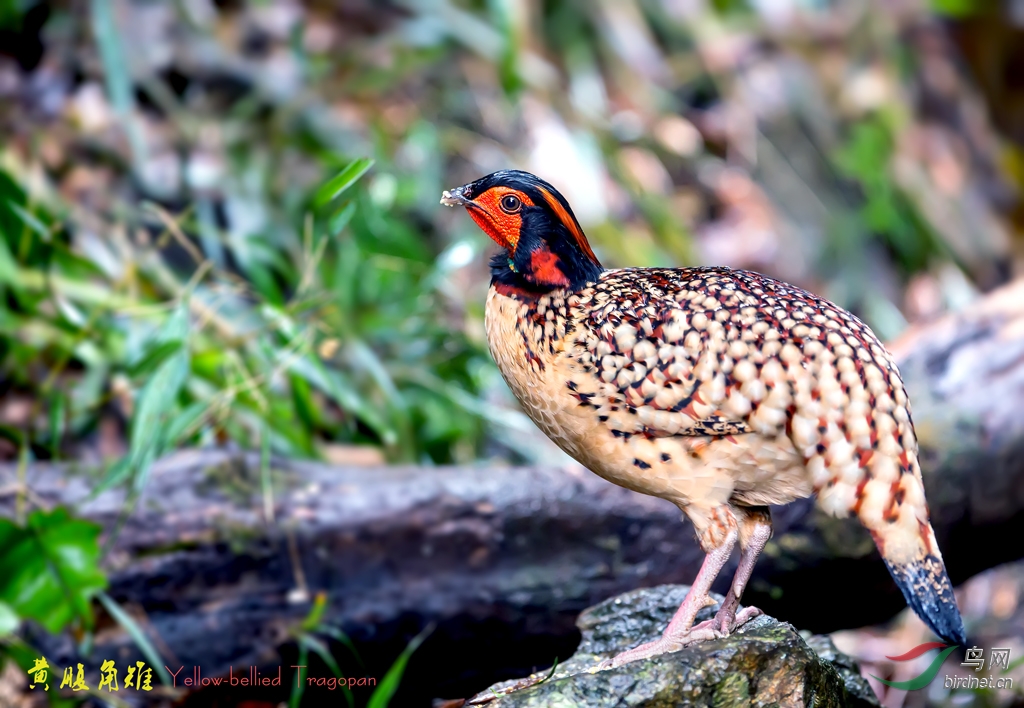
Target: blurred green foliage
885 210
242 246
332 336
281 291
12 12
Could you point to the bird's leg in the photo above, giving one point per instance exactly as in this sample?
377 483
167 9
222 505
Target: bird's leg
755 528
717 532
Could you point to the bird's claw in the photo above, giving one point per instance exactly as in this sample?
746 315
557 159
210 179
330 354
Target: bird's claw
662 645
716 628
728 622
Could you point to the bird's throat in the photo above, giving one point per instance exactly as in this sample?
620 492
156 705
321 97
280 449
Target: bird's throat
532 274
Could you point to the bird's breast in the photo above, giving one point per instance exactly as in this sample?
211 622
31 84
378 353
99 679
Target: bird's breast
526 337
529 341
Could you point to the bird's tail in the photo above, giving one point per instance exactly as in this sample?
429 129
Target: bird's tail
927 589
897 518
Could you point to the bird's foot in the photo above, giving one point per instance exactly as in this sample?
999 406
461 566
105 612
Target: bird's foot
722 625
727 620
662 645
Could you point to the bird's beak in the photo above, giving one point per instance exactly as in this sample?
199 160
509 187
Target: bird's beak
456 197
460 197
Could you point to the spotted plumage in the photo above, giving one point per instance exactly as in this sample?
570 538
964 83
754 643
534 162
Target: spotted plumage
720 390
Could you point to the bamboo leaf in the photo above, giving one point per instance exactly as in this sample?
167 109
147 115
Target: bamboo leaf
154 357
30 220
334 187
58 408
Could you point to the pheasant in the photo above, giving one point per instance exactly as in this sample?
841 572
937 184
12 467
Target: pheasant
720 390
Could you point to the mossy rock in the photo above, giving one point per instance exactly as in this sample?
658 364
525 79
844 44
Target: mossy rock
765 663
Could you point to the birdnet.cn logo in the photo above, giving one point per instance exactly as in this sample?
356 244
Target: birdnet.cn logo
998 658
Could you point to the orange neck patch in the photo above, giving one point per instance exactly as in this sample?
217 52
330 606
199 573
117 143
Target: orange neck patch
544 269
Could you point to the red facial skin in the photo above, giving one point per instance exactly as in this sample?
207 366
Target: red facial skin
502 227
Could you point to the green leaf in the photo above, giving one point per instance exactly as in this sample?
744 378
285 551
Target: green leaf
510 62
385 690
958 9
550 673
8 266
316 613
305 407
116 72
336 385
320 649
30 220
138 636
9 619
49 569
156 405
341 218
116 473
342 638
158 398
182 423
335 186
58 410
154 357
299 687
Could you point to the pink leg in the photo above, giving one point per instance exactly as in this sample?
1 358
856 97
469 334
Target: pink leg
754 535
752 526
678 633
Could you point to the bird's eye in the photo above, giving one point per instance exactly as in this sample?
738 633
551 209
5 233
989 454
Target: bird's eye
510 204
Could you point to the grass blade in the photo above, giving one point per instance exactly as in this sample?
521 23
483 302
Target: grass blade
115 69
321 650
342 638
30 220
158 398
300 686
335 186
154 357
58 413
265 481
138 636
385 690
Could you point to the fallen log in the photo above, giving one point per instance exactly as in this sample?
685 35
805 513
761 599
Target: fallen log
503 559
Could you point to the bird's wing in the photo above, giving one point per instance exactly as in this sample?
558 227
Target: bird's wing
663 352
651 360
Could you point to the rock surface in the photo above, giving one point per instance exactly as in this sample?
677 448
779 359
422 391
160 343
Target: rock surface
765 663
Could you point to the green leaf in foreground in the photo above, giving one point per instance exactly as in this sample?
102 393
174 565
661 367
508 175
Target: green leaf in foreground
334 187
49 568
385 690
299 687
9 619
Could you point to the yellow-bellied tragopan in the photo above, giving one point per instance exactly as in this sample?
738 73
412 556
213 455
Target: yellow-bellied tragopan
720 390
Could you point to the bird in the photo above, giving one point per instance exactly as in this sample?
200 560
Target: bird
723 391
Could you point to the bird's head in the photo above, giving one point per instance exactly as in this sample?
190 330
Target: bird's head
544 247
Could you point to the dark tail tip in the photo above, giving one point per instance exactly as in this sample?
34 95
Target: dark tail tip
928 591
